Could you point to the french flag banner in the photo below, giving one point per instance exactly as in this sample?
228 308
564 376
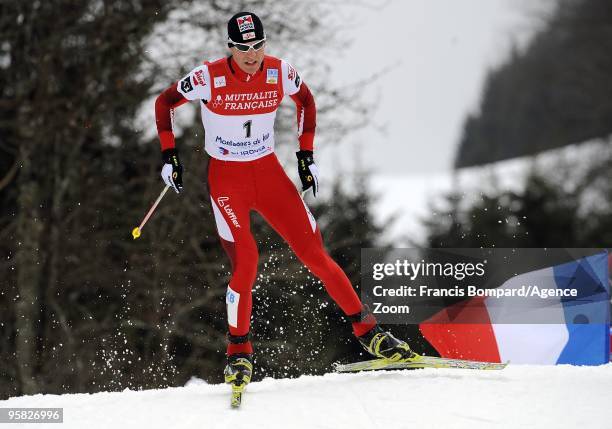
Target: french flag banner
569 330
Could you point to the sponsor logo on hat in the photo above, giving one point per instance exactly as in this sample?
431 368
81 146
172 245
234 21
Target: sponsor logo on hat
219 81
245 23
292 75
248 36
272 76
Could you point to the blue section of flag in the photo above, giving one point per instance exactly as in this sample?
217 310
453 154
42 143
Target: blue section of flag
587 345
588 315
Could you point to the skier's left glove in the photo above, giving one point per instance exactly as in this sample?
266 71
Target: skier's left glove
309 173
172 171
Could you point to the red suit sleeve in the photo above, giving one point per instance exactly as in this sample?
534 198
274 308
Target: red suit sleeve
306 117
165 104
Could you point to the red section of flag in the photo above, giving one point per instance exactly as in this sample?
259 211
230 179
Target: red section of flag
462 331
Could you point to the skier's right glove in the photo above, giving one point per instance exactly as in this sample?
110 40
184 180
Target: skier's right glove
172 171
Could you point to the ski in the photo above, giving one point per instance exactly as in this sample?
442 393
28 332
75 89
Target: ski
418 362
237 390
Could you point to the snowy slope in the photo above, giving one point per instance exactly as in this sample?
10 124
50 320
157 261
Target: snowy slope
517 397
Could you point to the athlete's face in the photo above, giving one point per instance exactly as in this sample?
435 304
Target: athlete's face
248 61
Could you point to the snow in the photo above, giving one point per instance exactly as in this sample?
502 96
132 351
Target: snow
519 396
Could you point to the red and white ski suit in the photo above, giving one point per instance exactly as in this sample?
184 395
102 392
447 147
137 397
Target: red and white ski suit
238 112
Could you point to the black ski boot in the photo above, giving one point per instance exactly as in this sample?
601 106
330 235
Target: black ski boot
382 344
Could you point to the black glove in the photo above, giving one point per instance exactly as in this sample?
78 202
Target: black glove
172 171
309 173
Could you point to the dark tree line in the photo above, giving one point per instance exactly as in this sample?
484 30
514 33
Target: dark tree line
68 85
554 93
562 204
83 306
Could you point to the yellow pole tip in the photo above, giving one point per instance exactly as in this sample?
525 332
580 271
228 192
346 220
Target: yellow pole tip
136 233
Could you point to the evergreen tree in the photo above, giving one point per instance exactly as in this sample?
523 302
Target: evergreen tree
85 307
552 94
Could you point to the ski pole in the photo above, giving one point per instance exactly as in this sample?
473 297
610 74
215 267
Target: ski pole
136 231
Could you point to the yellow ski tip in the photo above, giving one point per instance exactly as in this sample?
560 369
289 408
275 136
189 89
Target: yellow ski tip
136 233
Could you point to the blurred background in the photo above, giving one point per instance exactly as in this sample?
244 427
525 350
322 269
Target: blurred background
440 124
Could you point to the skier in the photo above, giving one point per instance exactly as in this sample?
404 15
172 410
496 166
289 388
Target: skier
239 96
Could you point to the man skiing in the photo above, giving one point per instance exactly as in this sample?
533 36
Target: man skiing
239 96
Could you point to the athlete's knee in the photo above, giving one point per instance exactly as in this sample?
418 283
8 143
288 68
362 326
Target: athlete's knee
315 258
244 269
243 256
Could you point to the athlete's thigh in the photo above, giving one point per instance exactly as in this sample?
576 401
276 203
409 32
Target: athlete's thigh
231 200
284 209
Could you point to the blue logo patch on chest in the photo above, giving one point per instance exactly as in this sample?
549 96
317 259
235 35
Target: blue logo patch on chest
272 76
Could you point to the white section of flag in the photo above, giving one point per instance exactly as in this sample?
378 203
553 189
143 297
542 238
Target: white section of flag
521 342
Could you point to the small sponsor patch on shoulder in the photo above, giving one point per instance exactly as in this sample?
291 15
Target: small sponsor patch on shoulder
291 73
198 78
186 85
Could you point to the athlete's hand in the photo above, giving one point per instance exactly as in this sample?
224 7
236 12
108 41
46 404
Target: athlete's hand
172 171
309 173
